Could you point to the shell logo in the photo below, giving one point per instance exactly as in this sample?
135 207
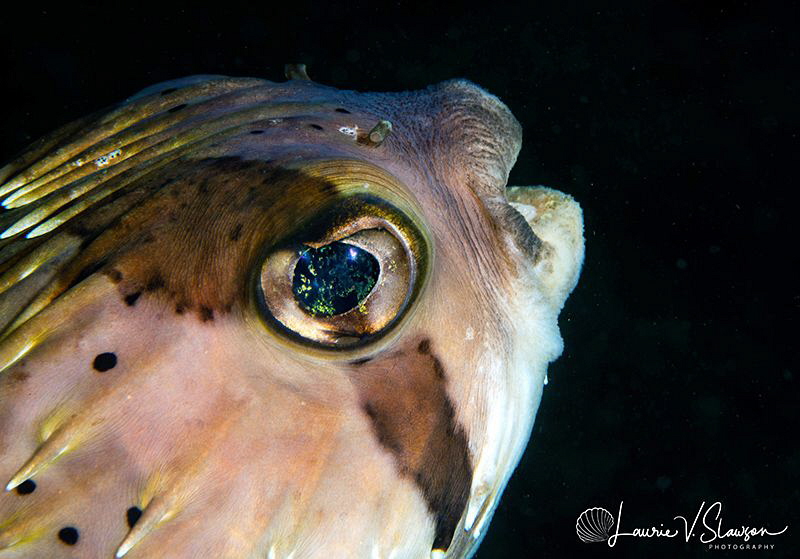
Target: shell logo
594 525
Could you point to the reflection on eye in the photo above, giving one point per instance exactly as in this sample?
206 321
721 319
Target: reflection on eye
333 279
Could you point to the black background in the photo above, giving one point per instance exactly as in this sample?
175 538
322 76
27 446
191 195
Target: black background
675 124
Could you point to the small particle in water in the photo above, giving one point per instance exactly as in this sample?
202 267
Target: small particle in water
663 483
681 264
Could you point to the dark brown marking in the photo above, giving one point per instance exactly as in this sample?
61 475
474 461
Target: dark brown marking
424 346
154 283
18 376
438 369
447 480
177 108
206 314
405 399
345 111
114 275
385 434
315 126
169 235
169 90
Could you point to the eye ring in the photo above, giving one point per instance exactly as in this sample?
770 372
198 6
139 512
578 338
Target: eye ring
374 313
359 197
395 238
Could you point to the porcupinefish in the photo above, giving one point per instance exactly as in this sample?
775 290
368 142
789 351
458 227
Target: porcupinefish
251 319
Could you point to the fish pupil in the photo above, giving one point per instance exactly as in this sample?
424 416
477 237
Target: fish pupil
333 279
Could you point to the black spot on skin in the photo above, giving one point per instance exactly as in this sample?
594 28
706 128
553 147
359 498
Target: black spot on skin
345 111
69 535
105 362
256 132
132 515
315 126
26 487
180 308
424 347
206 314
131 298
177 108
169 90
236 232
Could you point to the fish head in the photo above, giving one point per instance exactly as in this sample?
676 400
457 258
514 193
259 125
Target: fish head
255 319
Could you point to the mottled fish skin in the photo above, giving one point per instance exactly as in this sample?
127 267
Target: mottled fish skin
153 402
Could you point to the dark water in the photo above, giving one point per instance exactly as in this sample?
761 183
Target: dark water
676 127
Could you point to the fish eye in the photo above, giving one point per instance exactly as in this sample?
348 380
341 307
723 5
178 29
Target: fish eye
333 279
349 283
